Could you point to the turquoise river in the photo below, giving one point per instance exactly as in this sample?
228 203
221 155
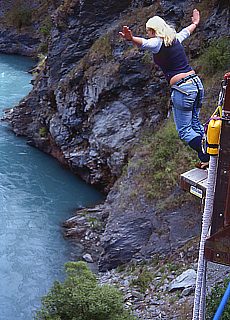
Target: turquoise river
36 196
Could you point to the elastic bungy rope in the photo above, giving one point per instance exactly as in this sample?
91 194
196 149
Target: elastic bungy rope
200 291
202 308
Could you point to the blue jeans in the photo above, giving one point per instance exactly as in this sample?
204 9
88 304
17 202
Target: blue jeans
186 109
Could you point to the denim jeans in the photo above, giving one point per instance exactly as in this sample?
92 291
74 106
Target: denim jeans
186 109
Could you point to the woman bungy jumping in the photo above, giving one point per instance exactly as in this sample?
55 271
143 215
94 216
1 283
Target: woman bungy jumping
187 91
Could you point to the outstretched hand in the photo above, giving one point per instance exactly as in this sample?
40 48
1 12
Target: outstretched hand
126 33
196 17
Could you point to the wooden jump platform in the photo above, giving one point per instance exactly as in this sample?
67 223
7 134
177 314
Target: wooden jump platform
195 181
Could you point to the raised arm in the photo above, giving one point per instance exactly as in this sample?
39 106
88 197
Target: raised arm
127 35
195 21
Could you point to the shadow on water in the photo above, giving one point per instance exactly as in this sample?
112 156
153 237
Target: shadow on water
36 196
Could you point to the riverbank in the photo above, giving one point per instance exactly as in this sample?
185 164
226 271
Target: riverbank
158 288
36 196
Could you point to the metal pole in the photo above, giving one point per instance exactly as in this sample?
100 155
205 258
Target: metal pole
222 303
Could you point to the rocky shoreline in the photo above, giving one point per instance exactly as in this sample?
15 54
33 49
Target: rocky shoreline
160 288
87 228
159 300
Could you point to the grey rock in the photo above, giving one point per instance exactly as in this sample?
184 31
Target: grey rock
187 291
137 295
185 280
88 258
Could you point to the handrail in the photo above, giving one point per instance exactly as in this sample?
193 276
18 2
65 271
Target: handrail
222 304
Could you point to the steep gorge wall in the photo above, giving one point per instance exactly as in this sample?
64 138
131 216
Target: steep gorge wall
95 93
93 97
20 24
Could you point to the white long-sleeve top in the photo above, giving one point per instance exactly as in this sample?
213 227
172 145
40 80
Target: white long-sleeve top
154 44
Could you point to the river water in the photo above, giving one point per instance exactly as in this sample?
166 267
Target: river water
36 196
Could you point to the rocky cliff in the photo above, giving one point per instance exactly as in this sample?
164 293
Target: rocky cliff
93 100
23 24
93 94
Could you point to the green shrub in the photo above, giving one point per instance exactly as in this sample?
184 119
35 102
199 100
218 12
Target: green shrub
46 26
217 56
43 47
214 299
80 297
143 280
43 132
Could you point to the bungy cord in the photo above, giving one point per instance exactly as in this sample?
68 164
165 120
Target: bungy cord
200 290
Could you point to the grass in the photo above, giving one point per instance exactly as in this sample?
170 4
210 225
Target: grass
216 57
101 49
66 6
143 280
46 26
137 18
206 7
160 160
174 201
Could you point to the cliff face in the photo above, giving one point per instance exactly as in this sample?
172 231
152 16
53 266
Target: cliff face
93 97
95 93
21 23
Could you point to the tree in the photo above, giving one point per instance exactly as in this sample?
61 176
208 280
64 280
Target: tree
80 297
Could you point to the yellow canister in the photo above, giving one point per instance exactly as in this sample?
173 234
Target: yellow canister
213 135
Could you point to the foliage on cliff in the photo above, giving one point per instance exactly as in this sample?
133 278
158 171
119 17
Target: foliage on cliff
19 15
80 297
167 156
216 57
28 23
24 13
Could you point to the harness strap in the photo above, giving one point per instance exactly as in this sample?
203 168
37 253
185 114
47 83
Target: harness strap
183 80
175 87
198 93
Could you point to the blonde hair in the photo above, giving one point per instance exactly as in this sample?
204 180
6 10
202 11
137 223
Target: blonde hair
162 29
